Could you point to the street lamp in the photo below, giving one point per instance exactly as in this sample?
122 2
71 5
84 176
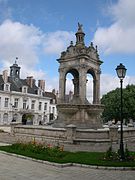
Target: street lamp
121 72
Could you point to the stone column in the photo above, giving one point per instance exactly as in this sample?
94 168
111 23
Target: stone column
62 81
96 89
82 85
76 86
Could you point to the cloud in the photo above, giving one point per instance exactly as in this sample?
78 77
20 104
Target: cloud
123 12
56 42
51 83
109 83
27 42
120 36
5 10
19 40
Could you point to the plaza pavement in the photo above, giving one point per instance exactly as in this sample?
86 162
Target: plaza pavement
14 168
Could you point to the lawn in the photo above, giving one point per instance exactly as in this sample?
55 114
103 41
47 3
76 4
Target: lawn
58 155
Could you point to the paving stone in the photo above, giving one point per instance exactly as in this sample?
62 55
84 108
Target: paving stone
15 168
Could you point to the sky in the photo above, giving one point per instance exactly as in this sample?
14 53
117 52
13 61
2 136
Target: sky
37 31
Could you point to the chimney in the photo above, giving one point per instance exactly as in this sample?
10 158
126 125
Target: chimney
41 84
53 91
30 81
5 76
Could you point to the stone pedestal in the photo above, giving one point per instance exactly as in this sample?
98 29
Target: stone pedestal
13 124
71 131
82 116
113 133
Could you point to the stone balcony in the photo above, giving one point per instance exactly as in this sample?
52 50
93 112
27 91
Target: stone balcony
26 111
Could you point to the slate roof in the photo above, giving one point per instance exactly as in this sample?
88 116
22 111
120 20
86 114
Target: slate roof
17 84
1 82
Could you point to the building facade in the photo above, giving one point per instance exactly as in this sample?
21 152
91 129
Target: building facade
24 102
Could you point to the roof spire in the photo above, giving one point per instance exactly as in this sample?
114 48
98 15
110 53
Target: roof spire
80 27
16 60
80 35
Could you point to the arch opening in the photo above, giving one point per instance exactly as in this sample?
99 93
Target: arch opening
27 119
71 85
5 118
90 86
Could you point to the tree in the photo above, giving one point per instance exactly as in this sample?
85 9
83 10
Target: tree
112 104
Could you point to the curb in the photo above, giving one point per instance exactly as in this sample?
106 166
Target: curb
69 164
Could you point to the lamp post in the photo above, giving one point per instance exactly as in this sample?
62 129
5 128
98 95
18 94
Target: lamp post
121 72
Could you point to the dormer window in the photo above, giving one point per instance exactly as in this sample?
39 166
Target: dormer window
40 92
25 89
7 87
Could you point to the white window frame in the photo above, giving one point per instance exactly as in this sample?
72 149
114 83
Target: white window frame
33 104
6 102
24 104
16 101
40 106
45 106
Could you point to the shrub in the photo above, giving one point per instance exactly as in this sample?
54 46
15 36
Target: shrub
37 148
115 156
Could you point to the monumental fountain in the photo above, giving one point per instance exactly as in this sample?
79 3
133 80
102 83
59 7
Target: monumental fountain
79 125
79 60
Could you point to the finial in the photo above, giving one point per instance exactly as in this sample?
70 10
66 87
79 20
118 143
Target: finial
91 44
16 60
79 27
96 49
71 43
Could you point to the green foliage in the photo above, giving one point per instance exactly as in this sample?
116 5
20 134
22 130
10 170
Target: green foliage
111 155
112 104
34 148
115 155
56 154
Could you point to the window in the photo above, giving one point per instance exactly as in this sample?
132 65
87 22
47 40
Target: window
50 109
25 90
24 103
53 109
7 87
6 102
17 72
33 104
40 105
51 101
51 116
16 103
45 106
5 118
40 92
